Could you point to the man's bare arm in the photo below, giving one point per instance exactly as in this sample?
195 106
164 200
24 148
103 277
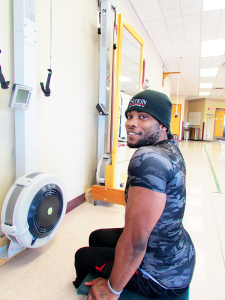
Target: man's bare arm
144 208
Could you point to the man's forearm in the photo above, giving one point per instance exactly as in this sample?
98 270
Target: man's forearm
128 257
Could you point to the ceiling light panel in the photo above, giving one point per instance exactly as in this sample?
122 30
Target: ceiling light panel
204 93
213 48
213 5
207 85
208 72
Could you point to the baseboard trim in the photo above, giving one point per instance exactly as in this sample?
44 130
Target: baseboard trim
75 202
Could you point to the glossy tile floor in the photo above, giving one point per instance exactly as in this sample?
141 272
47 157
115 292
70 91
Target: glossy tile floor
47 273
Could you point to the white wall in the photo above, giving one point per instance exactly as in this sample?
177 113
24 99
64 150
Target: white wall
7 166
67 120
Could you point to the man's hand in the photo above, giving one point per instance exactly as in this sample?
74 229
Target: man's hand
99 290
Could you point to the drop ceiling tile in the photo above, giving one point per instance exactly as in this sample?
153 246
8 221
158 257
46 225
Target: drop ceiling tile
171 13
206 79
195 79
191 10
138 10
221 32
192 27
194 64
188 86
187 50
164 42
175 29
173 68
192 19
152 15
185 70
168 53
172 61
211 25
165 4
147 27
177 37
223 14
174 21
206 60
192 36
190 2
195 91
217 61
156 23
151 5
159 30
186 74
142 1
164 36
208 36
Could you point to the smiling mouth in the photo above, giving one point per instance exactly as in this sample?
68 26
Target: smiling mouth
133 133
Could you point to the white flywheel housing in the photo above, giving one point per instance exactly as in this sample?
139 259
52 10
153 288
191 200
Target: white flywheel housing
33 209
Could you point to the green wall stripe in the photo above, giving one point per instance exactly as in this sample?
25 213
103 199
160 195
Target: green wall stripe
214 174
120 162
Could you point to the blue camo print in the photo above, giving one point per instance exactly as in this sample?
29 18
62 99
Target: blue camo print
170 254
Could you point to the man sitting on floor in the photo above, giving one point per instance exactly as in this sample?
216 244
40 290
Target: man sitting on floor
153 254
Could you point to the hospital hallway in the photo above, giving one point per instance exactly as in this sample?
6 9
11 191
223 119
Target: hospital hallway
46 273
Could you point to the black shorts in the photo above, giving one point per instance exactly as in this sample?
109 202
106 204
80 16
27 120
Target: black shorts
98 258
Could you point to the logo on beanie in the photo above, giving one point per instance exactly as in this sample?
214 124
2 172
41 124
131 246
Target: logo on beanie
138 102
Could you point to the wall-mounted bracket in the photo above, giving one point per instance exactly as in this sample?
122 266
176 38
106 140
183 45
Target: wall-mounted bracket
165 74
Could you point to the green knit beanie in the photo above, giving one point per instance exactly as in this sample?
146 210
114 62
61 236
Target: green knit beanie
154 103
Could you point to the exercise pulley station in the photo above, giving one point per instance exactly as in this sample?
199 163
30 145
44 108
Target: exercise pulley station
109 97
35 205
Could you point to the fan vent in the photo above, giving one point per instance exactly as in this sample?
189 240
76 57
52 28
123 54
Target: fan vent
47 212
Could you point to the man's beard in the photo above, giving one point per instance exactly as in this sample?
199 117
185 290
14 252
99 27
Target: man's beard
150 138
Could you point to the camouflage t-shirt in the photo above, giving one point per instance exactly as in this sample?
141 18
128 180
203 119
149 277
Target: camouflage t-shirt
170 256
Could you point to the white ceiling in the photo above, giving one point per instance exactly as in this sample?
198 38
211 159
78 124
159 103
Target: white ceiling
175 28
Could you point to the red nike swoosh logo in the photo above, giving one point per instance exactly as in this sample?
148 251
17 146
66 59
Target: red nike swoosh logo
100 269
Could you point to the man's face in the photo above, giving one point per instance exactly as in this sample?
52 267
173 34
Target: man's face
142 129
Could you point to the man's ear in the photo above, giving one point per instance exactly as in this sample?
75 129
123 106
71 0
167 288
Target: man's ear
164 128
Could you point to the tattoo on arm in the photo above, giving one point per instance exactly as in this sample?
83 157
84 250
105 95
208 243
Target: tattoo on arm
103 293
